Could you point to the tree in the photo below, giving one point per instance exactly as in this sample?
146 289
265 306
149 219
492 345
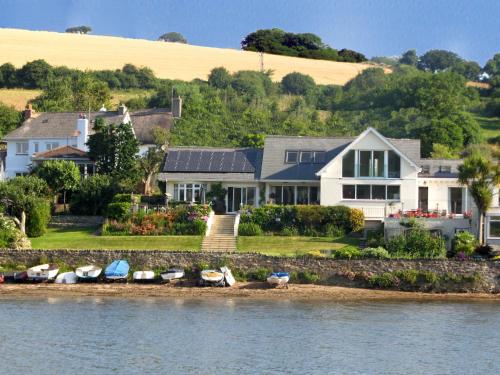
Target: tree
492 66
149 163
8 75
297 84
19 194
34 74
409 58
61 176
114 150
173 37
79 30
219 78
437 60
9 119
440 151
253 140
480 175
93 195
89 93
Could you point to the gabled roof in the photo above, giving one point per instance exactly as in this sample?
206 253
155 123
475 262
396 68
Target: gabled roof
273 161
391 143
64 152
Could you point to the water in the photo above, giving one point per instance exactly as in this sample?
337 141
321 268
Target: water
224 336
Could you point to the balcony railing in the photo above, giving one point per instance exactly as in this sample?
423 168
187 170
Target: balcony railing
431 214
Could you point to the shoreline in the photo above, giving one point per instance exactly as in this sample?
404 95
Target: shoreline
247 290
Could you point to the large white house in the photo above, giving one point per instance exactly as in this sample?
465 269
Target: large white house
381 176
63 135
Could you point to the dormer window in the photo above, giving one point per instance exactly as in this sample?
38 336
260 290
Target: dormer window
306 156
371 163
292 157
444 169
319 157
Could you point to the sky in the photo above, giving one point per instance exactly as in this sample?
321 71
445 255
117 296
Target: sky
470 28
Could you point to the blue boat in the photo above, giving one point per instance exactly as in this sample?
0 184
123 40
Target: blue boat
118 270
278 278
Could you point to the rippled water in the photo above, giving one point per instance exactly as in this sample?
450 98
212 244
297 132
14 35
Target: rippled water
185 336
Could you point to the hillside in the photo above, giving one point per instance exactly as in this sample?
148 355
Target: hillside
168 60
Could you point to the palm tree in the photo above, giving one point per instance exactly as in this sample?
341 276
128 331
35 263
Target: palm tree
481 175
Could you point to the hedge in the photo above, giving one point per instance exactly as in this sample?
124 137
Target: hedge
37 218
304 220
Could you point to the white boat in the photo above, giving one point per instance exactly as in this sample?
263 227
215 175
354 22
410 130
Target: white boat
88 273
43 272
66 278
212 278
143 276
278 278
172 274
228 276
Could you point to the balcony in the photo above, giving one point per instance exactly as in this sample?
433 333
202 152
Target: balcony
431 214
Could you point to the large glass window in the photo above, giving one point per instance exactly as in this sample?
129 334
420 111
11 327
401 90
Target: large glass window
313 195
348 164
302 194
371 192
456 200
349 191
362 191
291 194
288 194
378 192
494 227
378 163
365 158
190 192
394 165
393 192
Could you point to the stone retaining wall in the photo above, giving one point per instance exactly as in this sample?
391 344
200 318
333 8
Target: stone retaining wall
325 268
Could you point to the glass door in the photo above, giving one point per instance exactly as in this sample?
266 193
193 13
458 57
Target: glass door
239 196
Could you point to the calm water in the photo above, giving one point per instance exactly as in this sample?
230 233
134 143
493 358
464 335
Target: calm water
183 336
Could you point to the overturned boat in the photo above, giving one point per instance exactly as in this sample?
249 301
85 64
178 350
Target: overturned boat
211 278
143 276
88 273
172 274
66 278
278 278
43 272
228 276
117 271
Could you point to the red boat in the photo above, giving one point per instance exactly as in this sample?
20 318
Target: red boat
1 278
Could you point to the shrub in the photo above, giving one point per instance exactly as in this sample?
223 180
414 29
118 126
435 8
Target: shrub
356 219
386 280
289 231
307 277
416 243
464 242
334 231
119 211
10 236
249 229
122 198
408 276
376 253
37 218
346 252
113 228
93 195
259 274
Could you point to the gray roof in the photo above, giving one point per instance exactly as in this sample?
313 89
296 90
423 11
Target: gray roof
63 124
409 147
273 161
213 163
436 169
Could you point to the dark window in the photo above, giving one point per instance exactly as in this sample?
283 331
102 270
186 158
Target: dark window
456 205
292 157
349 191
302 194
394 165
288 195
362 191
365 158
348 164
378 192
393 192
319 156
306 157
494 230
313 195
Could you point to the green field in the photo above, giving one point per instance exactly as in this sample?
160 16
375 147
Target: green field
489 125
85 238
291 246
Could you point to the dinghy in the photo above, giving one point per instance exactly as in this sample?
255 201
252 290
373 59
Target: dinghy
143 276
228 276
88 273
211 278
278 278
43 272
172 274
17 276
118 270
66 278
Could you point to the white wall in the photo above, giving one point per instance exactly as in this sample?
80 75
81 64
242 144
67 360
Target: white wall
439 193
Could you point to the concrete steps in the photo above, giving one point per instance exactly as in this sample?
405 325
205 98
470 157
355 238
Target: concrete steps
221 236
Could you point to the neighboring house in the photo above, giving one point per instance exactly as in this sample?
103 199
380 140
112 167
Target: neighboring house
63 135
378 175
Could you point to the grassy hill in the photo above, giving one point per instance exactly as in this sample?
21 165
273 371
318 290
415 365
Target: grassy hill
167 60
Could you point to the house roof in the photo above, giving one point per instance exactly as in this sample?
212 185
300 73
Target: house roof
273 161
64 152
433 168
225 162
63 124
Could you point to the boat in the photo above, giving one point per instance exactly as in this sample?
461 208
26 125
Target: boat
88 273
43 272
143 276
211 278
66 278
17 276
278 278
117 270
228 276
2 278
172 274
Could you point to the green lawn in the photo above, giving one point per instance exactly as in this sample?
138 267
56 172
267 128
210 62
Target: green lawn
489 125
84 238
290 246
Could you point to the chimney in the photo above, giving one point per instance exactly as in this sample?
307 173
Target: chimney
176 107
28 112
82 127
122 109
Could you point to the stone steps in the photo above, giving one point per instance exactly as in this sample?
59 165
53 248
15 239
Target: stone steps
221 236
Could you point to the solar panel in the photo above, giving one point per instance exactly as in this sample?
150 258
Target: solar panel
210 161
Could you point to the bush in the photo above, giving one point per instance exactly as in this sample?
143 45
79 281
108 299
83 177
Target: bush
334 231
119 211
289 231
249 229
408 276
122 198
416 243
347 252
376 253
386 280
37 218
356 219
464 242
259 274
10 236
93 195
307 277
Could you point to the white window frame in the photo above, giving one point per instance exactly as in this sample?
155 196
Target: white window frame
371 199
296 152
195 186
49 146
490 220
22 148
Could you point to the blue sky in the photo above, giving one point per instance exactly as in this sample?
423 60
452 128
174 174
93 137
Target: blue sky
470 28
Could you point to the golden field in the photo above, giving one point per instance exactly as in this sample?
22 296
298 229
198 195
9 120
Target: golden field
167 60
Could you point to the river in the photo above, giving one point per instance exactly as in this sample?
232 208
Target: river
237 336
